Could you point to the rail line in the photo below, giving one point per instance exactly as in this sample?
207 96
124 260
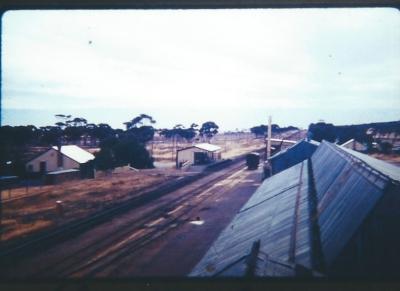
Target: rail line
149 236
131 238
72 265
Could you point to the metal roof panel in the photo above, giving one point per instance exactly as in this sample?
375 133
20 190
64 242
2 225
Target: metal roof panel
208 147
268 216
76 153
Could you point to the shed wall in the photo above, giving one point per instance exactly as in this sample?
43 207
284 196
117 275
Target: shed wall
50 157
188 155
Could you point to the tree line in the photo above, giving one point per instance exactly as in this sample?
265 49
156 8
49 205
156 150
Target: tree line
261 130
363 133
118 147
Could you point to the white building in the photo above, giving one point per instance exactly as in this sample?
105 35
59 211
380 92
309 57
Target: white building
198 154
70 157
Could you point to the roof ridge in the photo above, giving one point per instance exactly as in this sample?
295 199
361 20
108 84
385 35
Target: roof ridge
357 159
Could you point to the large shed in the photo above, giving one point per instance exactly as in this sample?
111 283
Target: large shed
198 154
70 157
335 214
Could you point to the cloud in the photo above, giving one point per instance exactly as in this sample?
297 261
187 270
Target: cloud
191 60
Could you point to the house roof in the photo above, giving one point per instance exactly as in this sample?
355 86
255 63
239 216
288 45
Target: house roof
207 147
75 153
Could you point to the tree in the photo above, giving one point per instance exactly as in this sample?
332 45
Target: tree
386 147
322 131
50 135
62 120
136 128
102 131
73 133
260 130
119 151
77 121
129 151
190 132
181 131
104 159
135 122
208 129
14 142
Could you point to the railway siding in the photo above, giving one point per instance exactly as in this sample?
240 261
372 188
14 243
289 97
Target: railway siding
9 252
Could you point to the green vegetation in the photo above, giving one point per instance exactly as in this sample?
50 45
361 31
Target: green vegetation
262 129
208 129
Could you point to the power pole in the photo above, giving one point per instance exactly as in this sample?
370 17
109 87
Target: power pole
269 138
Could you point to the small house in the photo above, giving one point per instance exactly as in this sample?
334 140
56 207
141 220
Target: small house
70 157
198 154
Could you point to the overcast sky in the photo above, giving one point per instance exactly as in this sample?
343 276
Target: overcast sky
234 67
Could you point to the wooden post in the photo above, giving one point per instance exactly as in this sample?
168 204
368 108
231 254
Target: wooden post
60 208
269 137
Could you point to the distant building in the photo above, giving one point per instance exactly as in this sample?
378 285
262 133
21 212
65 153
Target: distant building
70 157
354 145
198 154
336 214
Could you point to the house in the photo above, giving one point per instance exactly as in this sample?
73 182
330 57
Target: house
354 145
198 154
335 214
70 157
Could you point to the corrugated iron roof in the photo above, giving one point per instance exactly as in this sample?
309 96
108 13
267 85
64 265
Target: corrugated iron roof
347 191
277 215
293 155
76 153
207 147
387 169
294 146
345 187
278 141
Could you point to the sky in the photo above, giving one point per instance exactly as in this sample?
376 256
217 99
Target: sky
234 67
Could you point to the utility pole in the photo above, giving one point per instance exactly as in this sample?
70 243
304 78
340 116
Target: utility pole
269 138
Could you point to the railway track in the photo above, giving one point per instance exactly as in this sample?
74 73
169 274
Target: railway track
164 215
